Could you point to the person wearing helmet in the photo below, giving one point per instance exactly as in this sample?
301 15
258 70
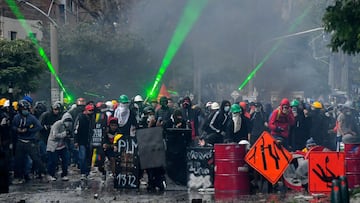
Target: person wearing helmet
109 109
25 126
299 132
244 106
319 123
99 133
108 141
163 114
6 143
47 119
148 118
215 126
83 128
280 121
238 127
137 107
126 118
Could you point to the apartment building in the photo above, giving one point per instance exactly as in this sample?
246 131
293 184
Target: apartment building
38 14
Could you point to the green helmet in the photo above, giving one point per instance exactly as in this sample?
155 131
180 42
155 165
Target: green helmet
123 99
235 108
294 102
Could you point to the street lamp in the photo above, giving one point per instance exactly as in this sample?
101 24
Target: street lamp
55 93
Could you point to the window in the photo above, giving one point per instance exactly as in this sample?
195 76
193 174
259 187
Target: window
13 35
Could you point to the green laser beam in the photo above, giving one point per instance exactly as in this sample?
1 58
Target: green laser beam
190 15
94 95
15 9
251 75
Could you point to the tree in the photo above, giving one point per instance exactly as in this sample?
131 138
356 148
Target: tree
20 65
102 63
342 21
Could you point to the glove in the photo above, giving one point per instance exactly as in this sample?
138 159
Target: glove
279 129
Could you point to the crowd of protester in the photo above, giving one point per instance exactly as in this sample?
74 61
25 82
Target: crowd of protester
38 140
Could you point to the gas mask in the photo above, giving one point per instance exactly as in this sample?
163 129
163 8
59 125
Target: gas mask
124 105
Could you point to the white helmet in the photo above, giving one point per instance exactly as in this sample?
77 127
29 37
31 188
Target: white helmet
7 103
138 98
245 142
109 105
215 106
208 104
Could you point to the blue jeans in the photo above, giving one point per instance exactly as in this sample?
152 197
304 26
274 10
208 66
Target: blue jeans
42 151
54 159
84 159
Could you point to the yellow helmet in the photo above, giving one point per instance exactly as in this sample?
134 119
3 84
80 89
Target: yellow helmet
2 101
317 105
15 105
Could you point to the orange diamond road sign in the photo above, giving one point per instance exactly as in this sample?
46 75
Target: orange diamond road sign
323 168
268 158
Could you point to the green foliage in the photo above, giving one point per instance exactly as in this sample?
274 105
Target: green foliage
20 65
342 21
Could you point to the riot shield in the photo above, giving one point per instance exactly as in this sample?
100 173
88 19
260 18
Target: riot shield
151 147
177 140
127 164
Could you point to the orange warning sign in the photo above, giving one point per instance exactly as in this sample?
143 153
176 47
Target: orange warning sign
323 168
268 158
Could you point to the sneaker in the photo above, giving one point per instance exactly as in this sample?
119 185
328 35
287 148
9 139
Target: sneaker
17 181
65 178
51 178
83 177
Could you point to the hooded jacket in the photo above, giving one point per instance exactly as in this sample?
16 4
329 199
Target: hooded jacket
279 123
218 122
30 122
57 134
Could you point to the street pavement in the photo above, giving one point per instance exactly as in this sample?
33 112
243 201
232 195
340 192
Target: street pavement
98 191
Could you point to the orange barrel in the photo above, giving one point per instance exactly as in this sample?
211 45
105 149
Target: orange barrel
231 172
352 164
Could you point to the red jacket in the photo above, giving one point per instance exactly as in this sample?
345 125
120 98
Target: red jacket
279 123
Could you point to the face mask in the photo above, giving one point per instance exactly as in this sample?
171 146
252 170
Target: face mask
67 125
151 117
25 112
226 108
235 114
126 105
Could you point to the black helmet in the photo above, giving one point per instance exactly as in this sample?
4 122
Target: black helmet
23 104
148 110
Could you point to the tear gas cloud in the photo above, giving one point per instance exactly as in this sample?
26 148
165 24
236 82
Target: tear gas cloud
229 39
